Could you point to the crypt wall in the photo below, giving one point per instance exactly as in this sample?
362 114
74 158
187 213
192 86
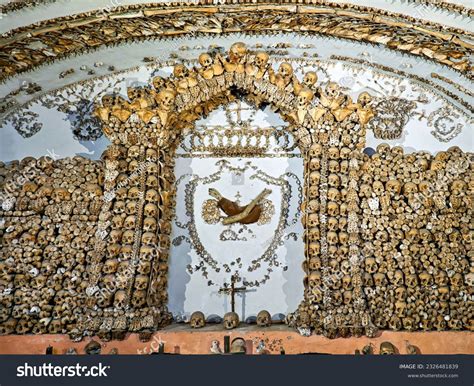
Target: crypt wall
431 240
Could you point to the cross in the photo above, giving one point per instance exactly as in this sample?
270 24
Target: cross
231 291
238 110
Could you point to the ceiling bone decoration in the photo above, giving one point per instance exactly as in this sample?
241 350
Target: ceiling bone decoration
393 92
28 47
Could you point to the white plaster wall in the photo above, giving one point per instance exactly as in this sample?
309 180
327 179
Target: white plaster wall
281 294
191 292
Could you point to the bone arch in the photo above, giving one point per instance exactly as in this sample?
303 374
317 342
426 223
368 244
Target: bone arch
171 107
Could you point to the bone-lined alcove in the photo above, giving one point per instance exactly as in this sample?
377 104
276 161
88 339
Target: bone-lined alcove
237 151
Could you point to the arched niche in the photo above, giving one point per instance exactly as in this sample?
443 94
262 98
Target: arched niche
325 124
239 151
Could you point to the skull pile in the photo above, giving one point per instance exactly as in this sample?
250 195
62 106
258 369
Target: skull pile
417 232
50 215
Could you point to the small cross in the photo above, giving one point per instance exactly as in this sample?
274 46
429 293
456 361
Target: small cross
231 291
238 110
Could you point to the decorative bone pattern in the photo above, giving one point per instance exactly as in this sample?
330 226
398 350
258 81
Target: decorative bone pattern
359 214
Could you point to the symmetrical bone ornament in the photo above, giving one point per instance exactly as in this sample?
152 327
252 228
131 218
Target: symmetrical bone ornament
387 237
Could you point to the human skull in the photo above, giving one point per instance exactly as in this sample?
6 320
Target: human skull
400 293
149 224
138 299
285 70
313 220
409 188
110 266
456 281
313 191
400 309
347 282
315 164
237 52
332 223
310 79
443 293
180 71
469 279
127 237
264 318
441 278
166 99
337 297
133 193
144 267
129 222
304 98
133 152
119 207
332 238
314 262
197 320
149 238
158 82
343 238
395 323
313 234
411 281
141 282
316 150
393 187
387 348
205 60
332 208
334 180
347 297
334 166
425 279
120 299
315 279
115 235
231 320
151 195
313 206
151 210
371 265
398 278
378 188
380 279
261 59
152 181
